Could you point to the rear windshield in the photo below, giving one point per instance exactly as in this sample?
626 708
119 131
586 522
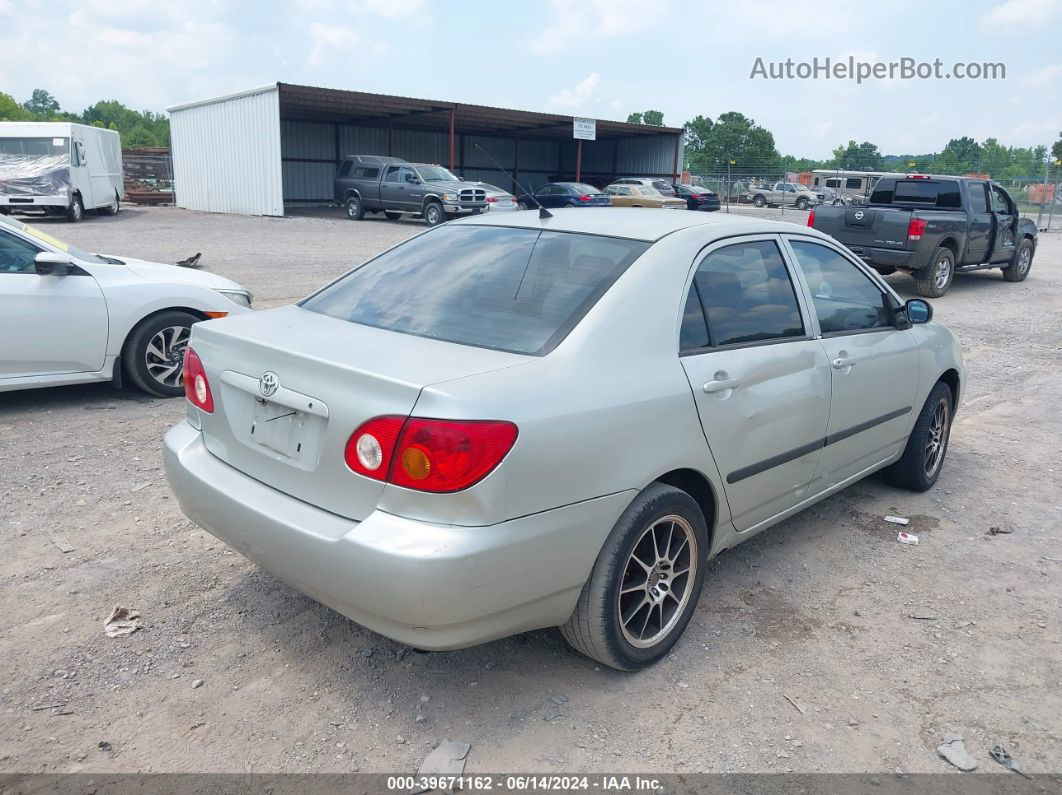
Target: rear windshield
926 192
584 188
516 290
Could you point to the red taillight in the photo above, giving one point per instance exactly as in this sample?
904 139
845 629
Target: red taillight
370 448
492 199
917 176
429 455
696 196
196 386
915 229
811 218
585 197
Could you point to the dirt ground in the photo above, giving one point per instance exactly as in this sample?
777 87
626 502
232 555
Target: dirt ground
883 647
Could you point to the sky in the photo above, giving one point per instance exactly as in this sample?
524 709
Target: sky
599 58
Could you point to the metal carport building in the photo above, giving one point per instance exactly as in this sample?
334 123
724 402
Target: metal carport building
256 151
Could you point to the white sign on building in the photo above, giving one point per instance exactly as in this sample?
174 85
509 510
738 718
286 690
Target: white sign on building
586 129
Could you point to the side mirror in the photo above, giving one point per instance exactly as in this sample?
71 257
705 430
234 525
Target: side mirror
48 264
919 311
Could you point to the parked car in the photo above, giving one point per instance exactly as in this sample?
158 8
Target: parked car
564 194
933 227
790 194
513 422
698 197
72 317
395 187
642 196
498 200
59 168
662 185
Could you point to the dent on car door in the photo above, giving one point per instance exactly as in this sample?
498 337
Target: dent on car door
50 324
760 382
873 364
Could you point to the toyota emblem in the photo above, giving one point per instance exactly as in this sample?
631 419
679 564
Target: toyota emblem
859 215
268 383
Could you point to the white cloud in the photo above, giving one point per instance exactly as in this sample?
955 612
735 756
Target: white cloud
1022 12
790 20
579 96
1048 77
392 9
571 22
821 128
327 38
931 119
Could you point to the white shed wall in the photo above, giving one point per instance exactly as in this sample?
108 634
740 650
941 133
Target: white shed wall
226 154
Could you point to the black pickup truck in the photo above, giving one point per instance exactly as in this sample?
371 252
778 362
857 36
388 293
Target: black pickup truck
373 183
933 227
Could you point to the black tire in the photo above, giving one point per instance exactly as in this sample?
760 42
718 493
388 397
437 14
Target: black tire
355 209
391 215
759 200
802 204
522 205
76 211
112 208
135 352
596 628
434 214
912 470
934 281
1023 257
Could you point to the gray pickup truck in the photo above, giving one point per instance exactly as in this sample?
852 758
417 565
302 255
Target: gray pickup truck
396 187
933 227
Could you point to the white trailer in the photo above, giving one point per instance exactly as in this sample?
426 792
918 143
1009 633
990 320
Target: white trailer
59 168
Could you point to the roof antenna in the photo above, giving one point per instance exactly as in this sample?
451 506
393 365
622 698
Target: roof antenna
542 211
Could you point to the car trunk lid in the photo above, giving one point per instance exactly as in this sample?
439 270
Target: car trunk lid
290 386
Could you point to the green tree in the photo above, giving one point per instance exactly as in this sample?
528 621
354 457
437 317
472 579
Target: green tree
154 127
857 157
42 104
1056 150
653 118
10 110
960 156
634 118
712 145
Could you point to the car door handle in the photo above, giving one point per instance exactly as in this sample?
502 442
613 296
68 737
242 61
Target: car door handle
842 362
710 387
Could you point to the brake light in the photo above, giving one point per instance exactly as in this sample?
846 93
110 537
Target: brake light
196 386
811 218
492 198
585 197
429 455
917 176
696 196
915 229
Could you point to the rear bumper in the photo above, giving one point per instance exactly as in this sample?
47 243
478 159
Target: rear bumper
430 586
883 256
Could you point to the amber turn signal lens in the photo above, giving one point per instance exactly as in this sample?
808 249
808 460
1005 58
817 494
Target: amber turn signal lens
416 463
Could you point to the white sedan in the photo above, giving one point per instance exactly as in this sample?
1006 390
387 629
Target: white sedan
70 317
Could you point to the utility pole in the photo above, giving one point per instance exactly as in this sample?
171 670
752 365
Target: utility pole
1054 194
729 163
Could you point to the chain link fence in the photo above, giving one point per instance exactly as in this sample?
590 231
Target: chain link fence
1038 197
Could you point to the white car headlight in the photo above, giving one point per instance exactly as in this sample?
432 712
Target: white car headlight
241 297
448 197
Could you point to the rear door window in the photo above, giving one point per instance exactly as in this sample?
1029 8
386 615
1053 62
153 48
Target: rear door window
516 290
978 202
747 294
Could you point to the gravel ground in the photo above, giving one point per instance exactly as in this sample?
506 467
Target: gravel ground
233 671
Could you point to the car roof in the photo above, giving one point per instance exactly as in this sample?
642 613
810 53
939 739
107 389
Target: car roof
636 223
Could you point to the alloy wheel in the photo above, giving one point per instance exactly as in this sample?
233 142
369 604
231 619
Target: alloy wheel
164 355
937 439
1024 261
657 581
942 274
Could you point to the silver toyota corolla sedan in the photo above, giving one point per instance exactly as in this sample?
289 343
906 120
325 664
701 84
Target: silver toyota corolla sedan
512 422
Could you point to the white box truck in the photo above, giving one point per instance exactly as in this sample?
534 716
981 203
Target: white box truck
59 168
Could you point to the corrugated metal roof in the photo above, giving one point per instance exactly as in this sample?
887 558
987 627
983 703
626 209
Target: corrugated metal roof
309 103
